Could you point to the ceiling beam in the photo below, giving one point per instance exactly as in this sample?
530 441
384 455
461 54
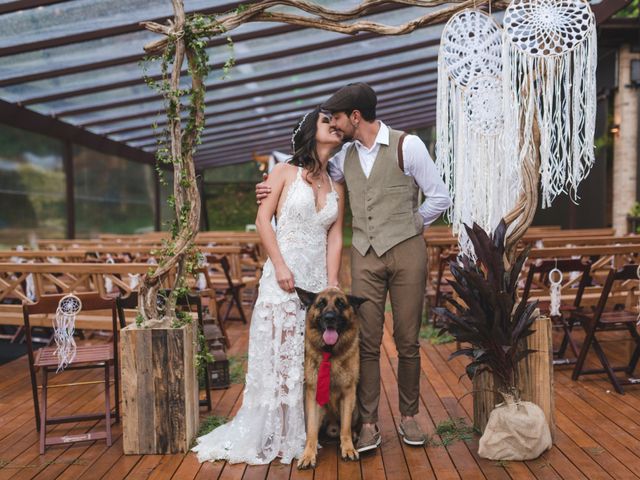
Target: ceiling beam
29 120
10 7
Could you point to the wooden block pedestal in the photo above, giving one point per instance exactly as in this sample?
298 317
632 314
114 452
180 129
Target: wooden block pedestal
535 379
159 389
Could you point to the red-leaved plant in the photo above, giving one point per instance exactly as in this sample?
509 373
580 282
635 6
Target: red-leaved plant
485 316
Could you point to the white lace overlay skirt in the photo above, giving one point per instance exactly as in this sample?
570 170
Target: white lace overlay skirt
270 422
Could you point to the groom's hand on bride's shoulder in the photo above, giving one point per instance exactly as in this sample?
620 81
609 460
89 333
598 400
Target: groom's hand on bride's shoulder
262 189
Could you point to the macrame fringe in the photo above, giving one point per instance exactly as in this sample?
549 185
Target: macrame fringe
558 93
474 166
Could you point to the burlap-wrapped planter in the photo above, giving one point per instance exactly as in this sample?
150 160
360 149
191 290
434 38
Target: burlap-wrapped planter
515 431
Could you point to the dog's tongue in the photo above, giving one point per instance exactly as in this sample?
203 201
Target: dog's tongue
330 336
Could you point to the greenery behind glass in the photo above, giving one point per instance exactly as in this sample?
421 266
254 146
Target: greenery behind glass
112 195
32 187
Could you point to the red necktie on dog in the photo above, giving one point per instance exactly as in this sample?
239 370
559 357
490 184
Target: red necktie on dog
324 380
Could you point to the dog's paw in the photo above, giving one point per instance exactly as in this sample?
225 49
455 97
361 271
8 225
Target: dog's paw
307 460
349 453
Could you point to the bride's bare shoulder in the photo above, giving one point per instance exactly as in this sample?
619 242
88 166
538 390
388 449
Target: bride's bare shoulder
283 171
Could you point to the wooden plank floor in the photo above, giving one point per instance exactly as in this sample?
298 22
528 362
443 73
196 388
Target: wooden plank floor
598 433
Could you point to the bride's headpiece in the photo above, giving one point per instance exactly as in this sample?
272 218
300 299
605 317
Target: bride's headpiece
295 132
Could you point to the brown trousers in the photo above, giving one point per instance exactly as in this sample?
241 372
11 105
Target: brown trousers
401 271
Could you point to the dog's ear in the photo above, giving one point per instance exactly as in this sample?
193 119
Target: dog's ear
355 302
307 298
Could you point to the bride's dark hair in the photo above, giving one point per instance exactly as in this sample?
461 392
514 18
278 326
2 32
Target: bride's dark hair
303 142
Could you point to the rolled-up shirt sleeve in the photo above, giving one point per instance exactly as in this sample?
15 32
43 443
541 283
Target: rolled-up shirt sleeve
336 164
419 165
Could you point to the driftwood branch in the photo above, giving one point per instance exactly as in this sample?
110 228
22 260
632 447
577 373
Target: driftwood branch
323 18
185 186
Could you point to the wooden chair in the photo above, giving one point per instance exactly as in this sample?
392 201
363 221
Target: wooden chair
230 288
100 356
566 320
602 320
442 289
189 302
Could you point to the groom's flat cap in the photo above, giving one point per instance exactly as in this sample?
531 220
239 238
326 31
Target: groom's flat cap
355 96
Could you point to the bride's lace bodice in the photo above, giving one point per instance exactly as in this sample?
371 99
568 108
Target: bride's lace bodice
302 235
270 422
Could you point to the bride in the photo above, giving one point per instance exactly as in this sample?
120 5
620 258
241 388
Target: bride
304 251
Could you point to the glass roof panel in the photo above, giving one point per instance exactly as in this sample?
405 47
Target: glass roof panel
47 59
261 114
219 95
132 72
77 16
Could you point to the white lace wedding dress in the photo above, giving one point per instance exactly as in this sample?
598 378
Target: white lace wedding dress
270 422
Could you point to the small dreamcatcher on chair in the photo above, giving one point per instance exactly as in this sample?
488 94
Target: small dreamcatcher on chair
555 281
63 329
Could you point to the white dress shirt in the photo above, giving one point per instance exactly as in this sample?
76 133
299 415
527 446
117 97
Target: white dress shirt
417 164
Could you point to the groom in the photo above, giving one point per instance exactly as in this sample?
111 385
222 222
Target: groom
384 170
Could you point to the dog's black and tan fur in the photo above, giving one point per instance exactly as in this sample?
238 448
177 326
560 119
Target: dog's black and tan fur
331 308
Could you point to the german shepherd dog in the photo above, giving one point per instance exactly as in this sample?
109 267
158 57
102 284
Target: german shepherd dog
332 327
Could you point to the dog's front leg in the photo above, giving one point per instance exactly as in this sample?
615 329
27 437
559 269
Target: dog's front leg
314 418
347 404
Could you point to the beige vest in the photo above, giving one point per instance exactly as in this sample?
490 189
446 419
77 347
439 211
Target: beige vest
385 205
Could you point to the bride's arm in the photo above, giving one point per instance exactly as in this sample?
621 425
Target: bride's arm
266 210
334 240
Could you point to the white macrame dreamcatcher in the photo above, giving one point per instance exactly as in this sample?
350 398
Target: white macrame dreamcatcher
555 288
63 329
549 60
469 152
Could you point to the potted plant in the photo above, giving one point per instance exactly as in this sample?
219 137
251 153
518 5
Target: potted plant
489 317
633 219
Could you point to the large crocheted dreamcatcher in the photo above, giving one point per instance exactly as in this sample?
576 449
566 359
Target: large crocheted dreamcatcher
549 78
470 127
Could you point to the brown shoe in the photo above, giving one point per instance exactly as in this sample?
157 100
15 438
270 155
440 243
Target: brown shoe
369 439
411 432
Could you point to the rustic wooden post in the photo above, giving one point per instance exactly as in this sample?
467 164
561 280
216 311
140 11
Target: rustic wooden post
159 389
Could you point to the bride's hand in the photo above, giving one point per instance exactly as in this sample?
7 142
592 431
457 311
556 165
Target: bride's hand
285 278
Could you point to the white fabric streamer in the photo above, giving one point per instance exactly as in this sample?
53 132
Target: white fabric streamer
108 283
201 283
549 60
30 286
134 280
64 328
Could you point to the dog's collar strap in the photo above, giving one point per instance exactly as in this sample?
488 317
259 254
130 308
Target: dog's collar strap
324 379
